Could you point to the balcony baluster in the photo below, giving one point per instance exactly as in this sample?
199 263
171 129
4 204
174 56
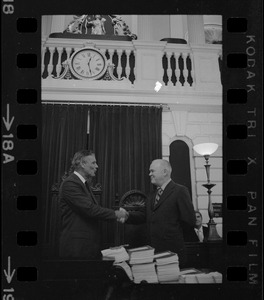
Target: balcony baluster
177 69
185 70
50 64
59 66
178 65
127 68
169 69
119 65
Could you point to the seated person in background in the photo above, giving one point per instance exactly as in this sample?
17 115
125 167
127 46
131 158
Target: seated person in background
199 233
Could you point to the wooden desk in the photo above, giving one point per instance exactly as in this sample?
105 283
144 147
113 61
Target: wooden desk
205 255
98 279
76 279
61 269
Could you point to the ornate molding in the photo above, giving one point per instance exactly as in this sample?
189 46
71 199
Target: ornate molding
108 75
213 34
133 199
180 122
97 25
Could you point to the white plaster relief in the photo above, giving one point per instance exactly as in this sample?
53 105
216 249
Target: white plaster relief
180 122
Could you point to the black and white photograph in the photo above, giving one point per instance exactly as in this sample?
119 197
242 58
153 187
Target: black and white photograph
131 152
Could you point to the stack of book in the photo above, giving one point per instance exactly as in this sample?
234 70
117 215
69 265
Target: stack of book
195 276
118 254
141 255
167 266
144 272
124 265
189 275
142 264
212 277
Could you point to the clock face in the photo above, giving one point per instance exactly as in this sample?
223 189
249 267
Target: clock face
88 63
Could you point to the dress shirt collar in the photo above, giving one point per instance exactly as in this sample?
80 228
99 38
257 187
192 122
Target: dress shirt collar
197 230
165 184
199 233
80 176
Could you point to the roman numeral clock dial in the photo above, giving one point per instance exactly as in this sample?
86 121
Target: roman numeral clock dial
88 63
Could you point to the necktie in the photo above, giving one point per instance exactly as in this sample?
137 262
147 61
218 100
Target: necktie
87 186
200 235
158 195
89 190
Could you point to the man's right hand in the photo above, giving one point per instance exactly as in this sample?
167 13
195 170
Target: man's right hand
121 215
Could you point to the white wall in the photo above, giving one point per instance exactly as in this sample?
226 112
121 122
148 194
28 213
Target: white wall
198 127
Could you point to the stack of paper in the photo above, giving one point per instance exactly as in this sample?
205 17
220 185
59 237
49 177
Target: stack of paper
218 277
142 265
144 272
123 265
167 266
119 254
209 278
188 278
189 275
141 255
166 257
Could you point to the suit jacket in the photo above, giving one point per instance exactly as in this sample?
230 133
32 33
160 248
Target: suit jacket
164 221
191 236
80 215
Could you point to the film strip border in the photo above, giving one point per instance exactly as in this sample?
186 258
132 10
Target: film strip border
243 158
21 152
21 155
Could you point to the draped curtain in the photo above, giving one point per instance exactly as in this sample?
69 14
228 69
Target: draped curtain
125 140
64 131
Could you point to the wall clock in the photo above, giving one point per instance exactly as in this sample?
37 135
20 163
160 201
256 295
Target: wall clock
88 63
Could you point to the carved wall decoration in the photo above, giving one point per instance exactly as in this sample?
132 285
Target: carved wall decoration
106 66
213 34
99 25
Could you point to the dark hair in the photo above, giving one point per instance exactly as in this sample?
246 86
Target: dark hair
197 211
78 156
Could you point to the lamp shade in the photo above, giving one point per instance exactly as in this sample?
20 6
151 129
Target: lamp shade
205 148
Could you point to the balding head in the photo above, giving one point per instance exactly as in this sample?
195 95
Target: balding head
159 171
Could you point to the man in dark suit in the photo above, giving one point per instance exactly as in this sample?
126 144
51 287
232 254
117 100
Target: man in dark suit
80 211
198 233
166 210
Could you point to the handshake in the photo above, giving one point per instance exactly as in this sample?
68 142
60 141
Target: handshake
121 215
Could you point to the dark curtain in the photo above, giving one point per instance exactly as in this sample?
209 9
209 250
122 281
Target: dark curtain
125 140
64 131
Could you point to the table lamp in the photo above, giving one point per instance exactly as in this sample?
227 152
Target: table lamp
207 149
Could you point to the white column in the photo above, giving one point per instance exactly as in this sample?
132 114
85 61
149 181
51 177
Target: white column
196 29
145 27
58 24
176 27
46 26
134 24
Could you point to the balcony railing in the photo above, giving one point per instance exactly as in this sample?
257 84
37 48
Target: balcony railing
143 63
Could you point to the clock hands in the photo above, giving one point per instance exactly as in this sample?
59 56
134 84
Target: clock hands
89 65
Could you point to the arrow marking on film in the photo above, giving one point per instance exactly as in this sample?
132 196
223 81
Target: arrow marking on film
8 274
8 123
